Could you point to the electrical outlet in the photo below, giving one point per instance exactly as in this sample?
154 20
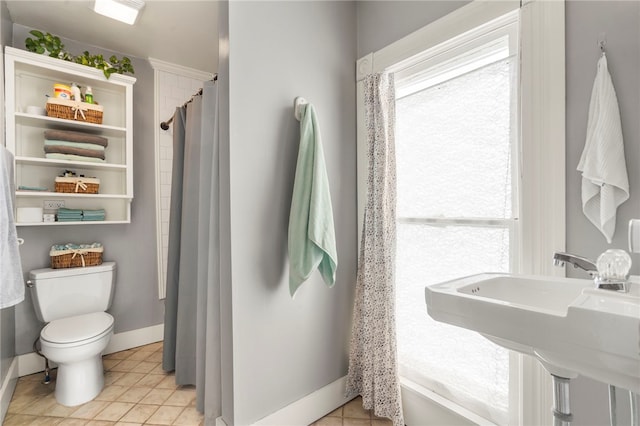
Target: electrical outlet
53 204
634 235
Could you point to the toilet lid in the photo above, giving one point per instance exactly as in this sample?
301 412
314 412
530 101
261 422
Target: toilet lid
77 328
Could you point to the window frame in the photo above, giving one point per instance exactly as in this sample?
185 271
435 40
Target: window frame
541 168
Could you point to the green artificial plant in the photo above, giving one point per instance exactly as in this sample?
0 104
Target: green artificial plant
46 44
114 65
51 45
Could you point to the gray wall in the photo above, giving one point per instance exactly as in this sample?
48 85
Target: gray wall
131 246
585 21
381 23
285 349
7 315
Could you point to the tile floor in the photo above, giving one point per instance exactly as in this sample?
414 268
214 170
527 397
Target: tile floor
352 414
138 392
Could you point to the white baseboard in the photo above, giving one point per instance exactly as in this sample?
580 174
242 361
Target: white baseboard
309 408
134 338
8 386
220 422
418 404
32 363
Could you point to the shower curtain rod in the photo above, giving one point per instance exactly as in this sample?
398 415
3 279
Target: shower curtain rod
165 124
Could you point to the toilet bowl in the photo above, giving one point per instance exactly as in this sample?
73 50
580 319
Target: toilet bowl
72 302
76 345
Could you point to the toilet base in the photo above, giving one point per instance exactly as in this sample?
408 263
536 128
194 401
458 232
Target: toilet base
79 382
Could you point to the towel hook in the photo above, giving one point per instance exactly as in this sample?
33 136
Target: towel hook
602 41
298 102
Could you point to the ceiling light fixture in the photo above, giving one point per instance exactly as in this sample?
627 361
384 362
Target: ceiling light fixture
126 11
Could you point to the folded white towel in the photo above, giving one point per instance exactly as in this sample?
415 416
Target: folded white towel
605 184
11 285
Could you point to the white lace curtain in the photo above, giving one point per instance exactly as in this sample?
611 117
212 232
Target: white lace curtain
373 368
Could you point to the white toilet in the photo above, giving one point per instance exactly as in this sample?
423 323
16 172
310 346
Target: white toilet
73 302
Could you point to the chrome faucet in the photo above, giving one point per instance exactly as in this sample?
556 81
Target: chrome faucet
607 278
560 258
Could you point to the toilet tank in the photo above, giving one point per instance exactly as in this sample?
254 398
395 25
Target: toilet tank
61 293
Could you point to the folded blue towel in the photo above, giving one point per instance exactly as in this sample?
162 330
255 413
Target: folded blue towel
68 215
93 215
93 212
63 210
71 157
312 241
31 188
94 147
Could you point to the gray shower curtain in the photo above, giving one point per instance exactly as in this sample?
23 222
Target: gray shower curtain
192 305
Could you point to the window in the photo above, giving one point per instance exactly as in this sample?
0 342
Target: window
457 209
426 59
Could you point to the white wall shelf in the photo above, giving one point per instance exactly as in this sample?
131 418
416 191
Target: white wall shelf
87 222
75 125
29 80
49 195
67 164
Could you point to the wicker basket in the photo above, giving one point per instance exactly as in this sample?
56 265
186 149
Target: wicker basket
77 258
72 110
77 185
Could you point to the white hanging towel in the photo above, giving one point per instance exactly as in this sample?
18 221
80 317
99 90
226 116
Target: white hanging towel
11 285
605 184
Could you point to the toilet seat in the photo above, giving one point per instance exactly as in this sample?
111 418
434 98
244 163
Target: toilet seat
80 329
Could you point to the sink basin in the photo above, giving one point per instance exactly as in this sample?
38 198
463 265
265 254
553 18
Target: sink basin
571 327
530 293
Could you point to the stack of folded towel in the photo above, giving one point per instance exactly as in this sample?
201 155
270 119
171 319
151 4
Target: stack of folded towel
74 146
77 215
69 215
93 215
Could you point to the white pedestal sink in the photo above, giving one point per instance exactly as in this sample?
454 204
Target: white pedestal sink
569 325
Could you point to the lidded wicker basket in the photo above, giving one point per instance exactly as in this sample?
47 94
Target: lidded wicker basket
77 185
76 255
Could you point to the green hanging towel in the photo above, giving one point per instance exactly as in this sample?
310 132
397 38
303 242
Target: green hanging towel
312 240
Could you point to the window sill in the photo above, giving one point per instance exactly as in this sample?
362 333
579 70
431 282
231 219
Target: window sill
420 404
